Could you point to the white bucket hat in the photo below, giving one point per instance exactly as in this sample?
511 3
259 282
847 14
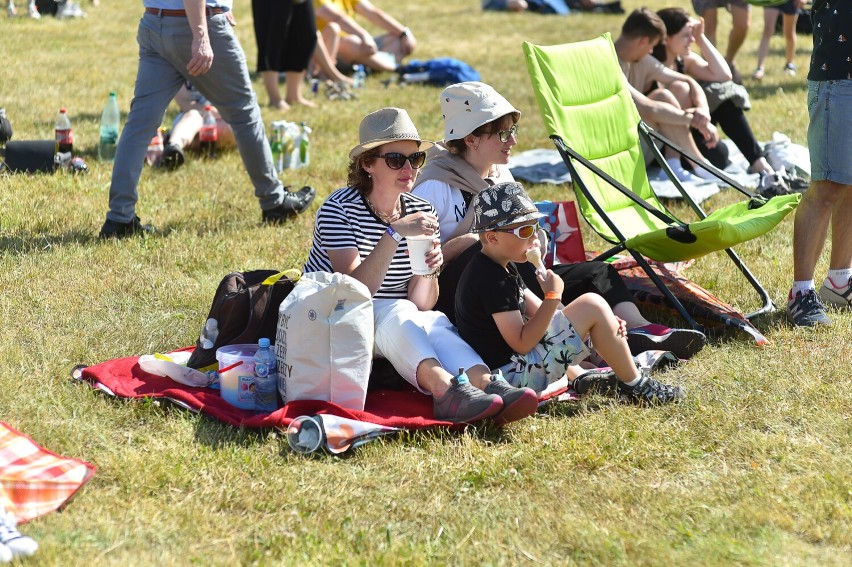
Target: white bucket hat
384 126
467 106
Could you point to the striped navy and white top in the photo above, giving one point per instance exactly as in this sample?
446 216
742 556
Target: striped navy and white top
345 220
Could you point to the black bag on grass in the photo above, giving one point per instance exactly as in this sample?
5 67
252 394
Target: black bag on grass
246 308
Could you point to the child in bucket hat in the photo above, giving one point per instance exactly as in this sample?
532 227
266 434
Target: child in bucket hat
532 341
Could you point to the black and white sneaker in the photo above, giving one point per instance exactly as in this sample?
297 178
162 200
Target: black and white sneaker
649 391
806 310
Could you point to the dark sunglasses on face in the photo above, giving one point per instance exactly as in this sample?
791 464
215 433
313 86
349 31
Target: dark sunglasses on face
396 160
506 134
523 232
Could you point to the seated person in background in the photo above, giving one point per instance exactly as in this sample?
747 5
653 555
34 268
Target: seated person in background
658 107
480 130
675 53
348 43
361 231
554 6
531 341
187 124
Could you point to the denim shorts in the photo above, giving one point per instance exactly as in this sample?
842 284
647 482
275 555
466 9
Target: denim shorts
830 130
701 6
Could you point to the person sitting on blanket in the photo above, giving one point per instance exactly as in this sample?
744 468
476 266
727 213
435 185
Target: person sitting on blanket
361 231
647 80
532 341
480 129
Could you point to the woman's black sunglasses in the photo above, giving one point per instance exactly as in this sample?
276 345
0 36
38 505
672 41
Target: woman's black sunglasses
396 160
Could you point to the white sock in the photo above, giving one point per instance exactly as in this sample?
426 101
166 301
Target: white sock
634 382
841 276
677 168
802 287
703 173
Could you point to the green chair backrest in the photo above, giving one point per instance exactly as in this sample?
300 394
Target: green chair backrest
584 100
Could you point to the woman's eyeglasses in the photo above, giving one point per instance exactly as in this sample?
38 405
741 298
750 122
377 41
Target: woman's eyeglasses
396 160
523 232
506 134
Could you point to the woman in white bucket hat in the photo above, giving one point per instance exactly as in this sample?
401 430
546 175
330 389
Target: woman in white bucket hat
362 230
480 130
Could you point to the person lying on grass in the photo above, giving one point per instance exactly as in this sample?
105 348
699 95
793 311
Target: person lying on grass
531 341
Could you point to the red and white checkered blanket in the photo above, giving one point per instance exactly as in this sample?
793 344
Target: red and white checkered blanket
34 481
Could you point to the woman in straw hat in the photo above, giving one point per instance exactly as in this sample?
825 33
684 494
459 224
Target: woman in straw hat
480 130
361 231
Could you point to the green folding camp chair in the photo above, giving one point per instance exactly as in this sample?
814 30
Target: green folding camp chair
590 116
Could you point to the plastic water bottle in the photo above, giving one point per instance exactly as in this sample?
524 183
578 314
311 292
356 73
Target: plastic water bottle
266 378
64 134
209 134
304 146
209 333
155 149
110 124
277 149
360 77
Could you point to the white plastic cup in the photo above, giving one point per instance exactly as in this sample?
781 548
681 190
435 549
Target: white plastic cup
305 435
418 247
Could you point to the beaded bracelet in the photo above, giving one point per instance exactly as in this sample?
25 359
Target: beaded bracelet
436 273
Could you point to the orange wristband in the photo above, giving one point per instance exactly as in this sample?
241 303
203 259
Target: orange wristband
553 295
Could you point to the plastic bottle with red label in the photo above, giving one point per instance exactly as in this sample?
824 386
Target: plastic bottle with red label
64 134
209 134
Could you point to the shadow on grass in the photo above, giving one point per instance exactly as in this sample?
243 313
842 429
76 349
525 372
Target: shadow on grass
20 245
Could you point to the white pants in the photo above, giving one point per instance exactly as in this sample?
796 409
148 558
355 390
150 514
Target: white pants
407 336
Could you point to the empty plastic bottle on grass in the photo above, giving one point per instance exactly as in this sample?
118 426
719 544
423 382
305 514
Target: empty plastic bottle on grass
209 134
110 125
304 145
64 134
360 77
266 378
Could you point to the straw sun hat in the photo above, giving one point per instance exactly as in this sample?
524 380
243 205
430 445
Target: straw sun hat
385 126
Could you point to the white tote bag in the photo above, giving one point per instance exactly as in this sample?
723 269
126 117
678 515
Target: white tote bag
324 341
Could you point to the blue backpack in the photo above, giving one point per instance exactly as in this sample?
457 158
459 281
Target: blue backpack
441 71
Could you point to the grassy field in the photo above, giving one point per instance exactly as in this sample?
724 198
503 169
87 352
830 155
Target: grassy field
753 468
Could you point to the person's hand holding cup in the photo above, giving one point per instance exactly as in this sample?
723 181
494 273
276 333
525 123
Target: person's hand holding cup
424 248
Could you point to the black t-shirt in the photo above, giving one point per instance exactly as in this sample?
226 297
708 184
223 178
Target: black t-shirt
831 59
486 288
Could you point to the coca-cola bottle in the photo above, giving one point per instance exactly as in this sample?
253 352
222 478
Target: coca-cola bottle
64 134
209 134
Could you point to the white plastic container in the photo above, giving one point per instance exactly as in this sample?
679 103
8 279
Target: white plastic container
237 382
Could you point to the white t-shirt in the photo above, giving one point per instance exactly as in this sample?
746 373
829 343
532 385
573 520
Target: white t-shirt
449 201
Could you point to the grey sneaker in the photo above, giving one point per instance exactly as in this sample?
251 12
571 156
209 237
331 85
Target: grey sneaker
518 403
805 310
649 391
463 403
839 297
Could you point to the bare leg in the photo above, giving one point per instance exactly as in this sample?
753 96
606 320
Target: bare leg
186 129
325 64
710 22
631 315
294 89
741 21
678 134
270 82
790 36
841 229
770 16
590 314
810 227
432 377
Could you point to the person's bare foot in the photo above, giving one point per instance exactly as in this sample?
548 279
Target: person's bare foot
303 101
280 105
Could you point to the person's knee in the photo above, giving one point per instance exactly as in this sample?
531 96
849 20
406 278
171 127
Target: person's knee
664 95
825 194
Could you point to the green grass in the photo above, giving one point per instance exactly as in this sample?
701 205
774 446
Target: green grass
752 469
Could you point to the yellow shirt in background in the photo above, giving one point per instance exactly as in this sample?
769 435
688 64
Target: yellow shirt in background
345 6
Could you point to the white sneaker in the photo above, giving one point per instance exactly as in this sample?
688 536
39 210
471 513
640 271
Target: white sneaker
34 13
839 297
11 539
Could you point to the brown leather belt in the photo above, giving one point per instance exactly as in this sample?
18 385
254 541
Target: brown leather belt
182 13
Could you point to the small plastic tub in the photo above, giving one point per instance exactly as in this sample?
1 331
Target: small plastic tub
236 374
